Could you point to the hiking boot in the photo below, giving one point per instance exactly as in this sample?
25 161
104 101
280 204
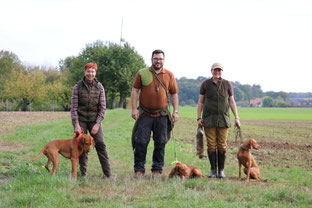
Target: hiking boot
156 175
139 174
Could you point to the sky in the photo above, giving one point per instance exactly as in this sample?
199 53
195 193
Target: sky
264 42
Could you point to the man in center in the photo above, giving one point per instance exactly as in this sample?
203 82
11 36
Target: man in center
153 85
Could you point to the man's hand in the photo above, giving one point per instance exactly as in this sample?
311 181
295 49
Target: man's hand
135 114
95 128
175 117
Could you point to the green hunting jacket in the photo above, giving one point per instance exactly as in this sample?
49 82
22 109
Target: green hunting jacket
216 105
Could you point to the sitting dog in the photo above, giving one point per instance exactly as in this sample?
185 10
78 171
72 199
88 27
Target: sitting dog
246 159
185 171
70 148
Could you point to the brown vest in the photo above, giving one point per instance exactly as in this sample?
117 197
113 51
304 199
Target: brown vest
88 100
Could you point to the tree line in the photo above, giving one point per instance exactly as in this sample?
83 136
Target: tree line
41 88
243 93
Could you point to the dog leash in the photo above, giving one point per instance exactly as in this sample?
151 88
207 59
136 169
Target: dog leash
174 144
238 133
174 149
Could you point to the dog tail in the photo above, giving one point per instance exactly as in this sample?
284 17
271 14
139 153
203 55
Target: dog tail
205 176
39 153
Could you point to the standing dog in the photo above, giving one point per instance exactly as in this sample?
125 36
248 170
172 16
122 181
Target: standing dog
185 171
70 149
246 159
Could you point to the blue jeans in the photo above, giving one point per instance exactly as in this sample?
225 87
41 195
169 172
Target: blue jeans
157 125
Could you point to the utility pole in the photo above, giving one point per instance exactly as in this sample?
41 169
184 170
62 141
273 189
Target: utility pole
121 38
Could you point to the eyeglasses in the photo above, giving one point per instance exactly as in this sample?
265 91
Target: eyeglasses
158 59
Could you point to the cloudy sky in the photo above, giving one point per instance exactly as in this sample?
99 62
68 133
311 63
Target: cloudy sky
267 42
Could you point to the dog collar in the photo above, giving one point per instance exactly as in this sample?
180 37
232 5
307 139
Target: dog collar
245 149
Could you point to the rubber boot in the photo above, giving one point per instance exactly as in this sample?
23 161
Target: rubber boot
221 161
213 163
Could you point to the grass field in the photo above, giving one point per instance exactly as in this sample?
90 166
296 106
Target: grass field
285 160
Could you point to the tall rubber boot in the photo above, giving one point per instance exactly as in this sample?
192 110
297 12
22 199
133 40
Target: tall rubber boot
221 161
213 164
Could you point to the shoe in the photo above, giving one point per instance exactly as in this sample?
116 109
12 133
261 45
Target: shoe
138 174
156 175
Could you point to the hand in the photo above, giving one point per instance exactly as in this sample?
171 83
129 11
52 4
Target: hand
77 128
200 123
95 128
175 117
237 122
135 114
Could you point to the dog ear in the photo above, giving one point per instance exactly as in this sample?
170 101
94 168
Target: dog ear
81 142
251 144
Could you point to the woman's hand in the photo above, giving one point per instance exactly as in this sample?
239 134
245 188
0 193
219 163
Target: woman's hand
95 128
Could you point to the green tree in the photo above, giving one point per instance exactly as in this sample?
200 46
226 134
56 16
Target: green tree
239 94
247 90
58 89
280 102
25 88
8 62
189 90
117 66
256 91
267 101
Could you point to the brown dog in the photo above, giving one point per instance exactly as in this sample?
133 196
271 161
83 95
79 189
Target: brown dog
185 171
68 149
246 159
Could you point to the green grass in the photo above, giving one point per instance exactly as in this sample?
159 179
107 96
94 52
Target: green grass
27 184
259 113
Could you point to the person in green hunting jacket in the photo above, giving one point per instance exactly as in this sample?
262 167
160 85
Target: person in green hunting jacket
215 98
88 108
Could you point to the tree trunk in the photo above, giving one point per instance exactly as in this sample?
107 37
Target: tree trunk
122 100
112 101
6 104
24 108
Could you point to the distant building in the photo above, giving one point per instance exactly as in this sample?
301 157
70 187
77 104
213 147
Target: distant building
255 103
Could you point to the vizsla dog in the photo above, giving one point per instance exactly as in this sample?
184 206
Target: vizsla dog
70 149
185 171
246 159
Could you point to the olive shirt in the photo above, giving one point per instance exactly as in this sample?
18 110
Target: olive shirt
203 87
